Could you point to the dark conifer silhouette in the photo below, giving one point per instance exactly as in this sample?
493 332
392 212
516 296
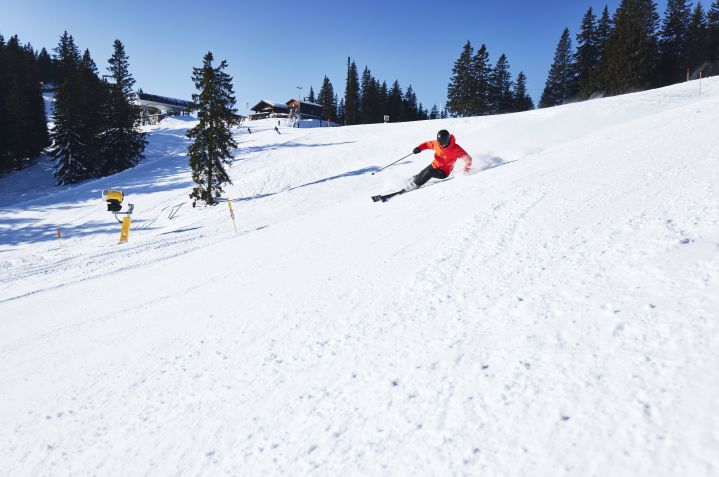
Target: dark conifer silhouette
212 141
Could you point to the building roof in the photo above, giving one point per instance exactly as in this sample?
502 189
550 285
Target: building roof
265 104
306 102
156 100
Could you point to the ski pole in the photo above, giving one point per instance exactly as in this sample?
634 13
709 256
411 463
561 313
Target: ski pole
395 162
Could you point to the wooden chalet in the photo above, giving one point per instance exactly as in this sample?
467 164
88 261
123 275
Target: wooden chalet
305 110
269 109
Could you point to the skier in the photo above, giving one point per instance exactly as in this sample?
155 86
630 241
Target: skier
446 152
277 130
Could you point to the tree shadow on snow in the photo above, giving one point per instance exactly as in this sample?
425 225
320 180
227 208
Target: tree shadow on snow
48 232
243 150
357 172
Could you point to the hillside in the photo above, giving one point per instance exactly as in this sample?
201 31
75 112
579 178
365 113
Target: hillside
552 313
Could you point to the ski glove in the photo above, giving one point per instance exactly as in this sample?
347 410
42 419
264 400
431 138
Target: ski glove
416 150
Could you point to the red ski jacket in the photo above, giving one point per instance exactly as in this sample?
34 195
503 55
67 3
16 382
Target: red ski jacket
444 159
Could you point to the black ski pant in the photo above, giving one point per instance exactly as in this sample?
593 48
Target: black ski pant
428 173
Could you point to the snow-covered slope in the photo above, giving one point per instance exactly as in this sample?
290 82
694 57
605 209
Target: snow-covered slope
553 313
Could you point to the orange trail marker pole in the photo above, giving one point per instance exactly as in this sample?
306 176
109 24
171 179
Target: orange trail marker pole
232 214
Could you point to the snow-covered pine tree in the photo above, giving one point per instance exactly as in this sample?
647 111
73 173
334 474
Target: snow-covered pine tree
672 42
212 141
123 142
434 112
561 83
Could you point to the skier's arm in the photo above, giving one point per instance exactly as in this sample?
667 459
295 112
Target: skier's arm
467 161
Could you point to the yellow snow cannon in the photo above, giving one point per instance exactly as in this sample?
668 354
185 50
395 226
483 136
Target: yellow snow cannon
114 200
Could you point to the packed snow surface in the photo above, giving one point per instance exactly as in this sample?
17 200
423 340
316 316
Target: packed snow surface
554 312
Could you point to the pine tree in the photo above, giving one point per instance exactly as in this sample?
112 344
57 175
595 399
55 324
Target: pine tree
5 163
522 100
23 126
212 138
500 87
326 98
45 67
69 144
394 102
696 52
123 142
370 110
604 30
383 99
352 97
434 112
561 83
311 96
91 101
631 56
341 112
587 55
409 110
672 42
480 103
67 58
713 36
461 88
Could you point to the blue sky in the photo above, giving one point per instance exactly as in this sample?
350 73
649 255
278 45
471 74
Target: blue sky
274 46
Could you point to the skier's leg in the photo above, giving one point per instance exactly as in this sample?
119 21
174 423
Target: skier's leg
425 174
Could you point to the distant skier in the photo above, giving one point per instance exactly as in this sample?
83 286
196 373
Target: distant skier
446 152
249 130
277 130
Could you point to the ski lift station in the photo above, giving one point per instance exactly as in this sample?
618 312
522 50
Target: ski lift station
155 107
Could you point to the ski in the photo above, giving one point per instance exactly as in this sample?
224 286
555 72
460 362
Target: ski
386 197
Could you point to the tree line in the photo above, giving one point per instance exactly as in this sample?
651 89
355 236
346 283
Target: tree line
631 50
366 100
476 88
23 125
95 121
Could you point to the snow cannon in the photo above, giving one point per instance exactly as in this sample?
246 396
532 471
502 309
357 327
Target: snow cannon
114 200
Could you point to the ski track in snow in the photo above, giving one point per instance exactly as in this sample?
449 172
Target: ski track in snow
552 317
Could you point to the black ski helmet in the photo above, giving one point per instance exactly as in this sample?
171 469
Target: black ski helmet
443 138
